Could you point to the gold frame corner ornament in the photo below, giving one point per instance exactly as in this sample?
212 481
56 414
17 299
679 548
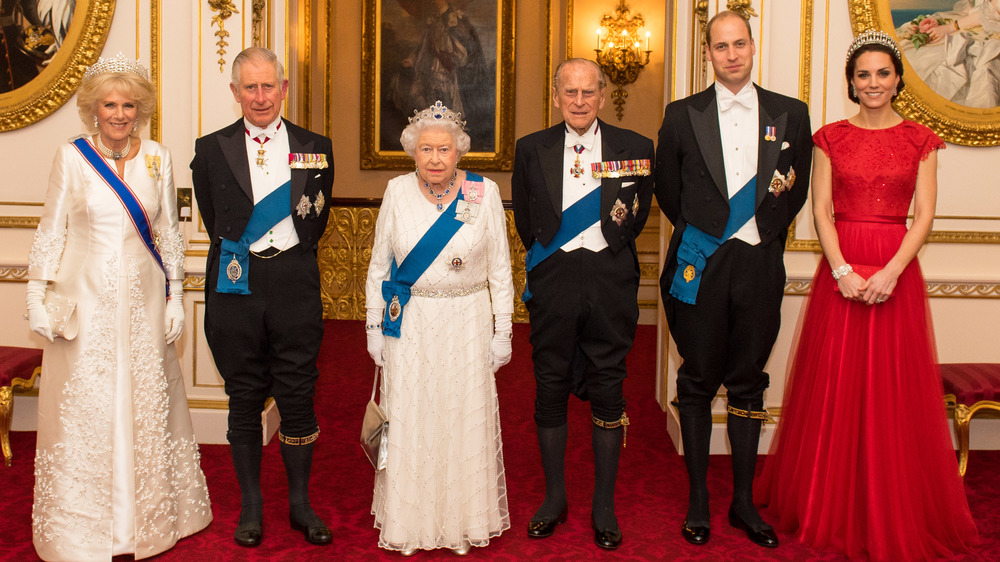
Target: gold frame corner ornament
954 123
374 158
53 87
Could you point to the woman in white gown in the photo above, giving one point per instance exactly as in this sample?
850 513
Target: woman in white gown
444 484
117 468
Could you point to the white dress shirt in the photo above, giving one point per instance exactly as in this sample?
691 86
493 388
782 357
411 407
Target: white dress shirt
575 188
739 127
269 177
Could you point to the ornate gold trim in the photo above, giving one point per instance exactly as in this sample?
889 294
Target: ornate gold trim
547 80
155 60
208 404
58 82
954 123
805 55
374 158
801 287
225 9
12 273
257 25
19 222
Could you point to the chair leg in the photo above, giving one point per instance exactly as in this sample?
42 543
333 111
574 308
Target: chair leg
962 419
6 414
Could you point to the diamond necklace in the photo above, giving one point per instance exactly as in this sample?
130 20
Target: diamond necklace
438 196
114 154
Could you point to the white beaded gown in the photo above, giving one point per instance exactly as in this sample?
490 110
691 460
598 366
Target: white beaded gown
117 468
444 481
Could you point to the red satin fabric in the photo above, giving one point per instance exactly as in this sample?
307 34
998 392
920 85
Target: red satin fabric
863 461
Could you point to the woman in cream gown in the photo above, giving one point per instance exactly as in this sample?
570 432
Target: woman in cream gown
116 467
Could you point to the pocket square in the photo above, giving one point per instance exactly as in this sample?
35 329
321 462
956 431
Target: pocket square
784 145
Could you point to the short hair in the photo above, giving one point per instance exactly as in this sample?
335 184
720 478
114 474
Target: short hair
256 54
128 84
721 16
602 80
411 134
852 63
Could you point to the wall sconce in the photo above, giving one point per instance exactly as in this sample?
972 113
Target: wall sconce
618 52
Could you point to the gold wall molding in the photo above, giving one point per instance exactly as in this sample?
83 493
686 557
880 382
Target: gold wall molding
257 20
935 289
155 60
224 10
13 273
19 222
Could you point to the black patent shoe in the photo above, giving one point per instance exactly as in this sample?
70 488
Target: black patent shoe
765 537
694 535
315 532
249 534
608 540
544 529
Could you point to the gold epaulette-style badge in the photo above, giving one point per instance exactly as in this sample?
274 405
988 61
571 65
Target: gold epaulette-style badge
621 168
302 160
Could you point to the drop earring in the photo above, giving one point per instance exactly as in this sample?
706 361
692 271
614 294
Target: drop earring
135 126
95 121
854 91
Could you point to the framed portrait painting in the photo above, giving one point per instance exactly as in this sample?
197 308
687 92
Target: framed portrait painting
418 52
46 46
951 60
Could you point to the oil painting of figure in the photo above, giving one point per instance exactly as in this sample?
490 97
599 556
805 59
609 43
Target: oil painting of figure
31 33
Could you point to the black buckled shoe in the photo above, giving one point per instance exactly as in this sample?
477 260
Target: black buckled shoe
608 540
249 534
694 535
544 529
315 532
765 537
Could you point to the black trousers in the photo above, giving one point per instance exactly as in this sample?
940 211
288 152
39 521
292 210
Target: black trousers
727 336
266 343
582 302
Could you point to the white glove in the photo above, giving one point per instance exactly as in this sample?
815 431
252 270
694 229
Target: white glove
174 317
376 340
500 347
38 317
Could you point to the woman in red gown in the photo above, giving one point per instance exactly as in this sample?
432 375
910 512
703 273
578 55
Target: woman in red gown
863 460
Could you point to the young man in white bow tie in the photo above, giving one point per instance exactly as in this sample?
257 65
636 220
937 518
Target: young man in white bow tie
732 171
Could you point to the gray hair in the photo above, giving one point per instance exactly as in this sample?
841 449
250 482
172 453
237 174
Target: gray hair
602 80
256 54
413 131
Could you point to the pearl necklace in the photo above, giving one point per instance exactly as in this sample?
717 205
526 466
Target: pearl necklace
114 154
438 196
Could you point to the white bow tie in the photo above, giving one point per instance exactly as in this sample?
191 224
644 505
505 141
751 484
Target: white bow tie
727 99
573 139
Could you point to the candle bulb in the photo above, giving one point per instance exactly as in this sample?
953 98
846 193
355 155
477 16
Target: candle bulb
647 40
598 39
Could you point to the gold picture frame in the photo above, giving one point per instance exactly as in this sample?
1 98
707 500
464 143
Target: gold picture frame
58 81
954 123
394 68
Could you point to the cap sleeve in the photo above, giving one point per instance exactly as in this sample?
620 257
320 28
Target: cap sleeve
931 143
821 140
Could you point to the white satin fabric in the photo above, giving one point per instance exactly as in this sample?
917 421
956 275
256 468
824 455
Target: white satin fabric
117 468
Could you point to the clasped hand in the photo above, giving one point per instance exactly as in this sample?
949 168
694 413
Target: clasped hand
875 290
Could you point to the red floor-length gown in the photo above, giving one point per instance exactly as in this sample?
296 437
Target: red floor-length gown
863 460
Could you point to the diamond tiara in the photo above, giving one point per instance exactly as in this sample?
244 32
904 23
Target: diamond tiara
118 64
874 37
437 113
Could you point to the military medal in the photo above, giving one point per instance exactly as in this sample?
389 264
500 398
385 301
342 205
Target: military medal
261 153
395 309
456 264
770 134
233 270
577 169
619 212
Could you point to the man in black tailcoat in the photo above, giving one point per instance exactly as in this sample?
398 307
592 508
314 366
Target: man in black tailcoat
263 186
732 171
581 193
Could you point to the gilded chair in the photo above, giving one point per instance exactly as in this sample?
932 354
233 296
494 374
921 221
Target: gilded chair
970 388
19 368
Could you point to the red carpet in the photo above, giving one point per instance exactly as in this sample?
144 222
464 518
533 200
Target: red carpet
651 495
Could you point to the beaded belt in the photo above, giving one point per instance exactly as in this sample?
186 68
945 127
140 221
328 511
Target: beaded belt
414 292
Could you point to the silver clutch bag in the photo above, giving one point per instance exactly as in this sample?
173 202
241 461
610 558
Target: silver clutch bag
62 315
375 430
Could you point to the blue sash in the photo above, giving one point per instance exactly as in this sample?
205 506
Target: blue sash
577 218
133 208
396 290
696 246
234 259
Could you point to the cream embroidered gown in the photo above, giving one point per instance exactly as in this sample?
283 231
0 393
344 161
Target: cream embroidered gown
444 481
117 467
